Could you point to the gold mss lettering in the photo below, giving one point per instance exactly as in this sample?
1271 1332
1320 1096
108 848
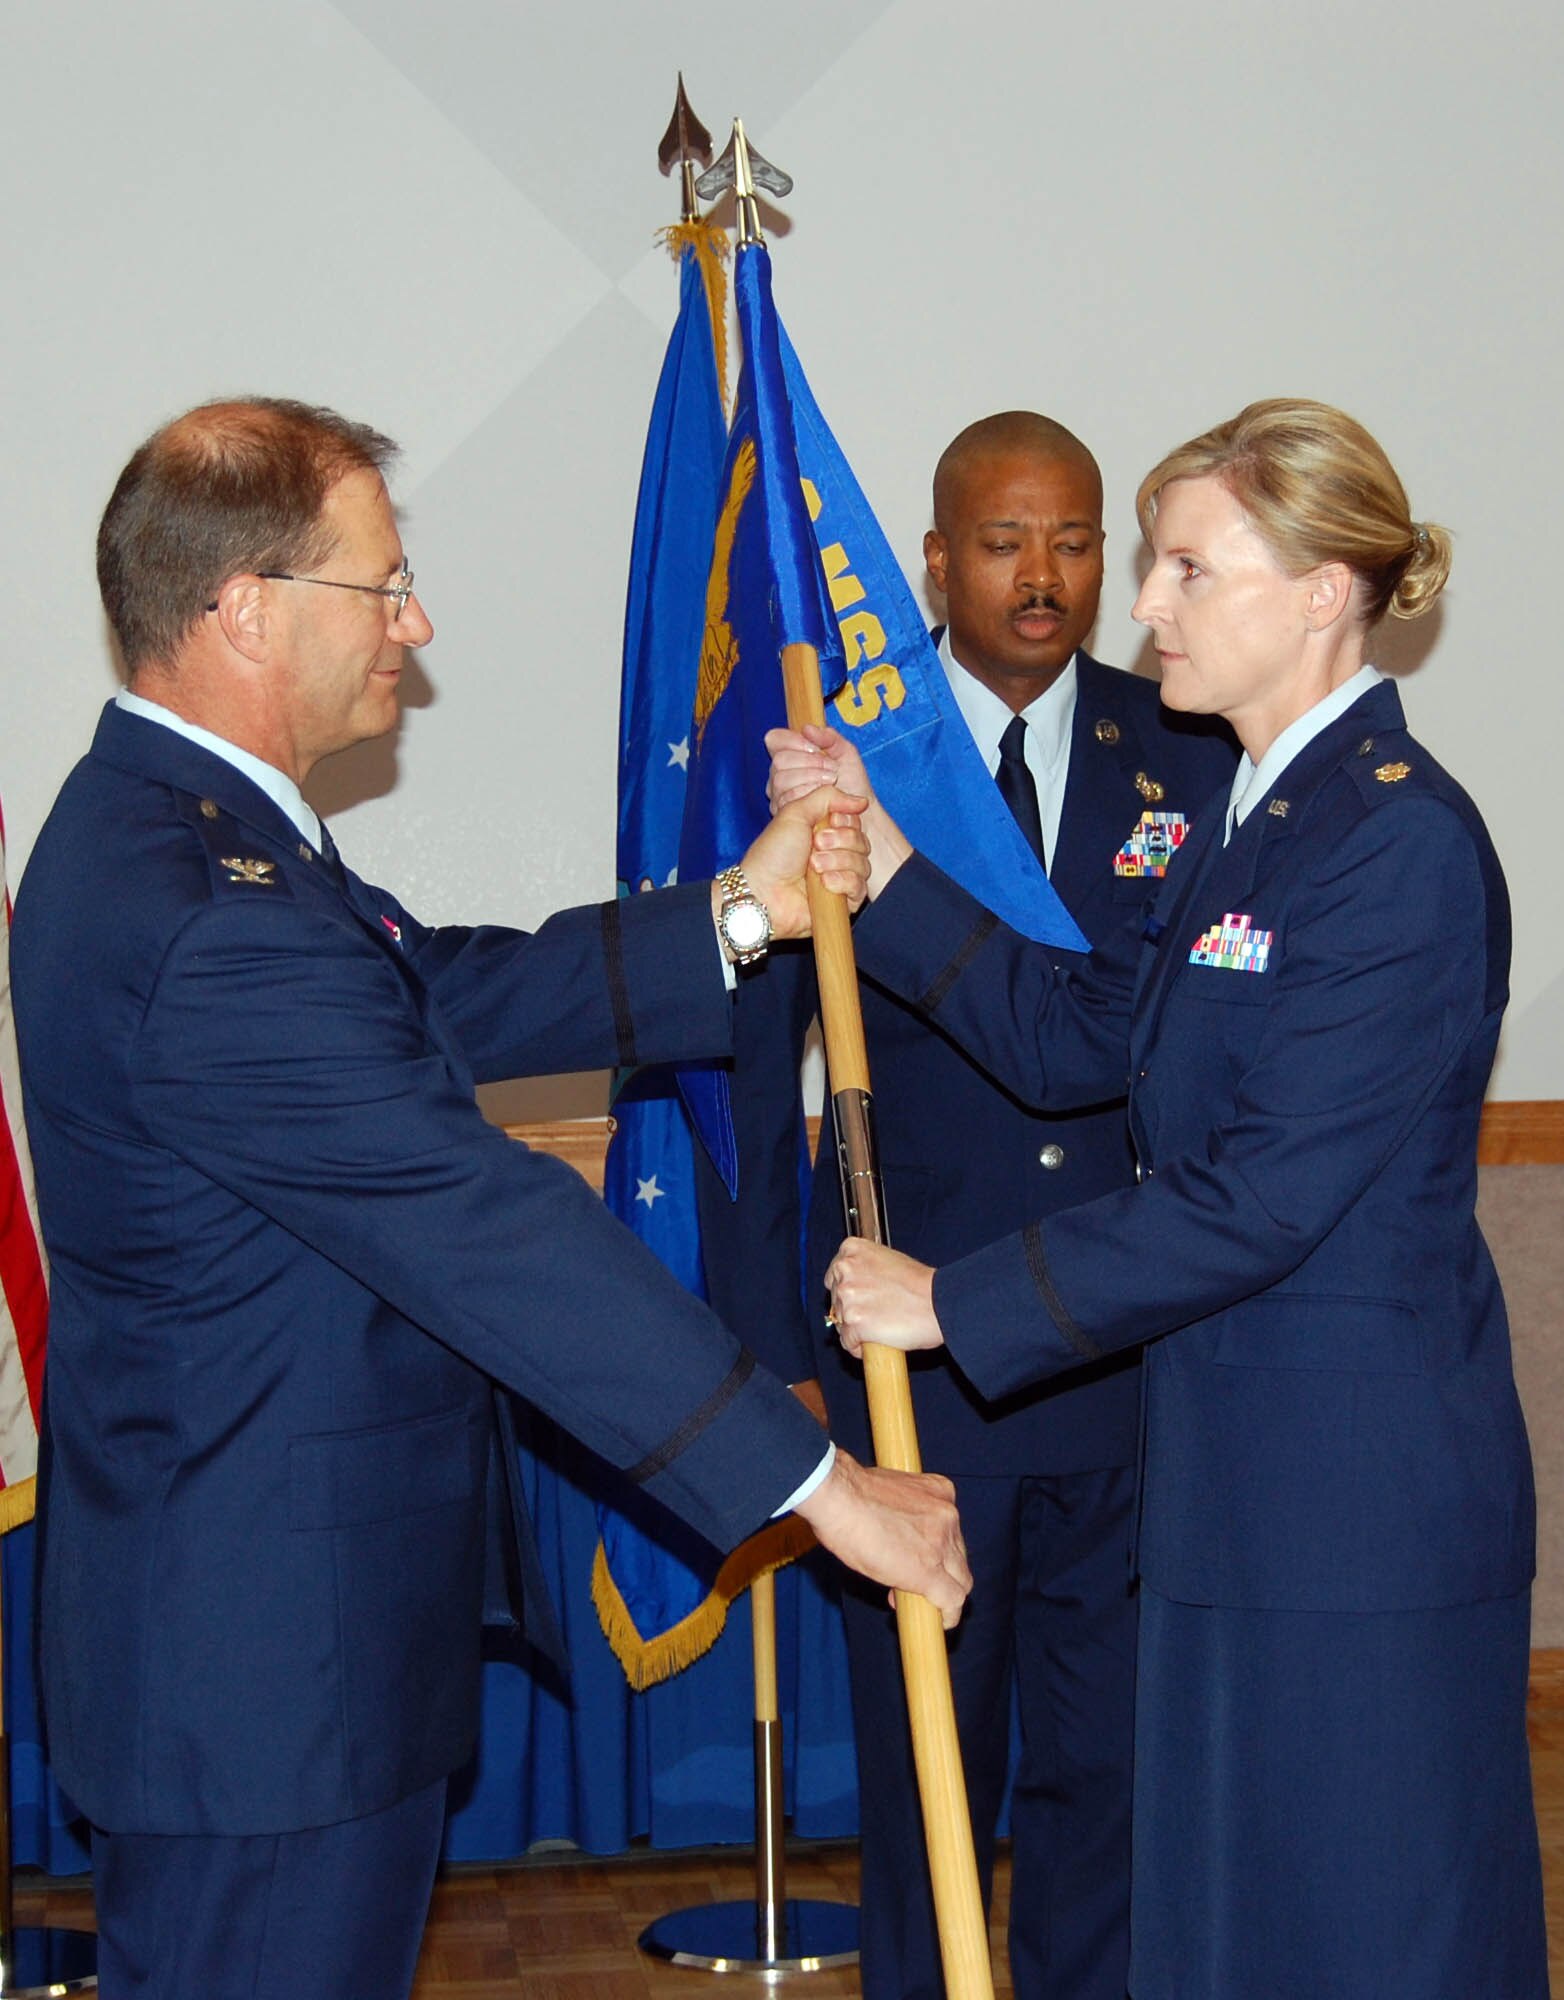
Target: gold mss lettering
863 636
845 587
862 700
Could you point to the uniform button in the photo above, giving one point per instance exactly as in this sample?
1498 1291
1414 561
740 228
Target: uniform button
1140 1173
1051 1156
209 809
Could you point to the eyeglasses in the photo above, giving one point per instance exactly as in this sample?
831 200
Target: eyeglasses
399 592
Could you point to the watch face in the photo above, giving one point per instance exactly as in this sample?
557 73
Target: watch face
744 924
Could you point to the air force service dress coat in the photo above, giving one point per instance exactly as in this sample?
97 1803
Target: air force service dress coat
963 1156
963 1160
289 1259
1329 1799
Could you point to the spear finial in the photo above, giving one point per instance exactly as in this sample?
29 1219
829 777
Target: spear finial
744 169
685 141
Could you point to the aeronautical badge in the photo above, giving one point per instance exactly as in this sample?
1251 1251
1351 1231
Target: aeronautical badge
1233 946
262 873
1151 846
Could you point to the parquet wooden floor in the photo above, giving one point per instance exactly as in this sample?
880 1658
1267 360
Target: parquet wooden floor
566 1929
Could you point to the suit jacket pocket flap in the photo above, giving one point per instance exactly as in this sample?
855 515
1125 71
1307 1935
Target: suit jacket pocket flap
1229 985
1355 1336
346 1479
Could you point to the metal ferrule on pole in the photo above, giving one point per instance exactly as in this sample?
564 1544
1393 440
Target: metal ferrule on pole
857 1161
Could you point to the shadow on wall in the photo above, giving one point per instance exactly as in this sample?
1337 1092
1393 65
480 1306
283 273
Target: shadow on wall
368 770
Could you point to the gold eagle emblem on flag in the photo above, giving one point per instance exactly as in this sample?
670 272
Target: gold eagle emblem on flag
719 648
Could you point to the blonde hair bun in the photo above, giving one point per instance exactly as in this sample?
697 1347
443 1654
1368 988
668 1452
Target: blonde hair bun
1425 574
1316 488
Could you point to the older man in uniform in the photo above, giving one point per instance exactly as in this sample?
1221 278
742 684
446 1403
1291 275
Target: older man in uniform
290 1258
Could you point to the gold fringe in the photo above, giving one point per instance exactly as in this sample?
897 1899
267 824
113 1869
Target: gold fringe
710 245
647 1661
16 1504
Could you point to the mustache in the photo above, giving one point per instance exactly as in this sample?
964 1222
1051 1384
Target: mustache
1041 600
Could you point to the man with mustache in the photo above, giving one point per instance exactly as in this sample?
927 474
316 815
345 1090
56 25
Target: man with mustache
1103 783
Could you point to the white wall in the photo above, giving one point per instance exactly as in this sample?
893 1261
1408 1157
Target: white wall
1133 215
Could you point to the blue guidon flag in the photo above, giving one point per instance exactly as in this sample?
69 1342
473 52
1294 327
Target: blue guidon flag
765 590
662 1593
895 700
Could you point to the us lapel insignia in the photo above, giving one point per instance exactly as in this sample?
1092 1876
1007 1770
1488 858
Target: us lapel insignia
1279 808
1106 731
1392 774
1149 789
1233 945
1151 846
242 870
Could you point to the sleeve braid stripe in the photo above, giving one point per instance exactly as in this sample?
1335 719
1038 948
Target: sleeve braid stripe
697 1421
618 991
985 925
1037 1265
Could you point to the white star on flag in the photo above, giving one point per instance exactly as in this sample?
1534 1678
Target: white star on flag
648 1191
679 753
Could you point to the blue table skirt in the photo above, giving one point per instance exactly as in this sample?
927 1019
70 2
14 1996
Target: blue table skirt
598 1765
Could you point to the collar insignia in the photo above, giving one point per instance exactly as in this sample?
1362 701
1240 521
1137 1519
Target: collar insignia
1279 808
242 870
1106 731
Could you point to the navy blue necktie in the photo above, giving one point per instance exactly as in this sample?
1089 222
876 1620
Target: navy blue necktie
332 859
1017 787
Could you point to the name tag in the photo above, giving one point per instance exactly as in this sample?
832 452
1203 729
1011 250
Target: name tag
1233 945
1152 845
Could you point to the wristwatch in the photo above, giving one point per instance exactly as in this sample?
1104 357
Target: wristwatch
744 922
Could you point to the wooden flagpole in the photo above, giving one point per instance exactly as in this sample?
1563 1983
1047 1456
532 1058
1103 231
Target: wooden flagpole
947 1823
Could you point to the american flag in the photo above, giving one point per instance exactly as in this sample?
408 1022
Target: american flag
24 1294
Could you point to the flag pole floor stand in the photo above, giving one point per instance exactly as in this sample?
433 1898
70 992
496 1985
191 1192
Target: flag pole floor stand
777 1935
36 1961
775 1940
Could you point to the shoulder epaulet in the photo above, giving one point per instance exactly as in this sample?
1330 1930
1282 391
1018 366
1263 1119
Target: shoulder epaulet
1389 765
237 862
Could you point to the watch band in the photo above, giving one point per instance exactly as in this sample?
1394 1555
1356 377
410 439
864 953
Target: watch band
744 921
